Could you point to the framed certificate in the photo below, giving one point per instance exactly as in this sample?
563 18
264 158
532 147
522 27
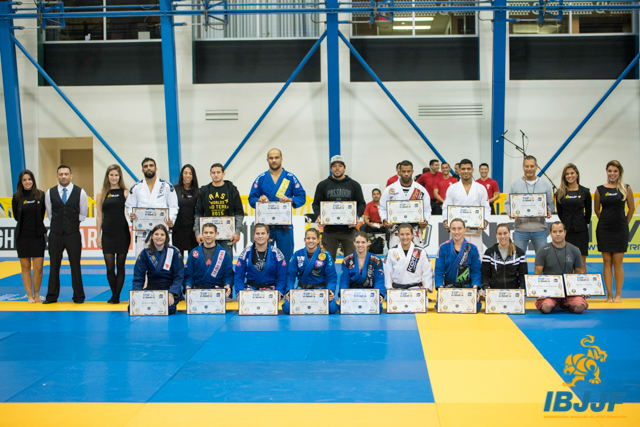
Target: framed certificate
206 301
457 300
504 301
224 224
544 286
359 301
309 301
528 205
146 219
149 303
338 213
473 216
399 211
273 213
407 301
583 284
258 303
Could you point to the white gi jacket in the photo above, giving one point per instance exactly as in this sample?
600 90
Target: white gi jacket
415 267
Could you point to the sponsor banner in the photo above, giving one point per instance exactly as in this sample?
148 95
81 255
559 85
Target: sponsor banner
89 235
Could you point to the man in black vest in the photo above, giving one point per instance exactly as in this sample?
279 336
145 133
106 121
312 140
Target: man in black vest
67 206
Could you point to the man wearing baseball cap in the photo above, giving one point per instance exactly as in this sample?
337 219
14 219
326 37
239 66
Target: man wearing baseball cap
338 188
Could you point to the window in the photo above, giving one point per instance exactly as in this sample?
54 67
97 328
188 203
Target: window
575 22
257 26
91 29
416 24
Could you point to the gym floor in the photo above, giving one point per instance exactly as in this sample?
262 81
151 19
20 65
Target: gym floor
91 364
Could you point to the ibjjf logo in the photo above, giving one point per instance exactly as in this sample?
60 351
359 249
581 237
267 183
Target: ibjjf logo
584 367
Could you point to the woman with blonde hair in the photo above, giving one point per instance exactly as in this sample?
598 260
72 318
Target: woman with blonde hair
114 236
612 232
573 204
503 264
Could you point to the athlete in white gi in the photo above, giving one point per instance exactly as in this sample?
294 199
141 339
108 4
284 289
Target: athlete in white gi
405 188
151 192
410 269
467 192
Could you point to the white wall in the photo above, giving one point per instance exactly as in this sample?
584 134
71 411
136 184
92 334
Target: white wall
375 136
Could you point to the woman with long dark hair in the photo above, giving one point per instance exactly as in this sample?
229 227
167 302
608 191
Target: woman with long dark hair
187 190
612 232
573 204
114 236
161 265
28 211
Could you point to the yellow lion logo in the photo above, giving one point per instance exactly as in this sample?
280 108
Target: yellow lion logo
585 366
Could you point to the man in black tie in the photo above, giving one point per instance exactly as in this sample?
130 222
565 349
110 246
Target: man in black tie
67 206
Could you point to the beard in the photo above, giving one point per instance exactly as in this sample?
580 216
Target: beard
149 174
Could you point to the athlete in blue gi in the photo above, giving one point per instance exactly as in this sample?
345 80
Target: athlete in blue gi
260 265
362 269
313 268
161 264
458 263
278 185
209 266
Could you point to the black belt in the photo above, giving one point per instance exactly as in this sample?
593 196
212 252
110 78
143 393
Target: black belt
302 285
261 287
201 286
412 285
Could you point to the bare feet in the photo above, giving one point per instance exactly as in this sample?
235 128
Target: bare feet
38 298
31 299
609 300
617 299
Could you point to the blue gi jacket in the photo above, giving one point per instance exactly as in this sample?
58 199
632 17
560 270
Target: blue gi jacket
162 274
202 276
372 275
264 185
319 269
273 274
448 261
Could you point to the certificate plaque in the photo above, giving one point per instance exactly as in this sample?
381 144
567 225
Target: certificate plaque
583 284
473 216
400 211
260 303
146 219
360 301
338 213
457 300
528 205
273 213
149 303
224 224
407 301
504 301
206 301
309 301
544 286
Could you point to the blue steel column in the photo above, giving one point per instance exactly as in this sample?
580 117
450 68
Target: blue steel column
333 78
498 92
11 94
170 91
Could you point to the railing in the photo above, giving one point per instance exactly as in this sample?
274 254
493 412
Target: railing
6 211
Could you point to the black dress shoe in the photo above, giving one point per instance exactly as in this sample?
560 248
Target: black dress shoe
112 301
48 302
79 302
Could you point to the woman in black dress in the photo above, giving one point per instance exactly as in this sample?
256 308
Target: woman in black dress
114 236
29 210
573 204
612 232
187 190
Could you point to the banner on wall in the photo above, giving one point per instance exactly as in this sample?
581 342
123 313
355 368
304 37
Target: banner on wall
435 235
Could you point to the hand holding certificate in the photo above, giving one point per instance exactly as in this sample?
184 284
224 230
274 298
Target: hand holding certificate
146 219
273 213
544 286
224 224
528 205
583 284
338 213
473 216
401 211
